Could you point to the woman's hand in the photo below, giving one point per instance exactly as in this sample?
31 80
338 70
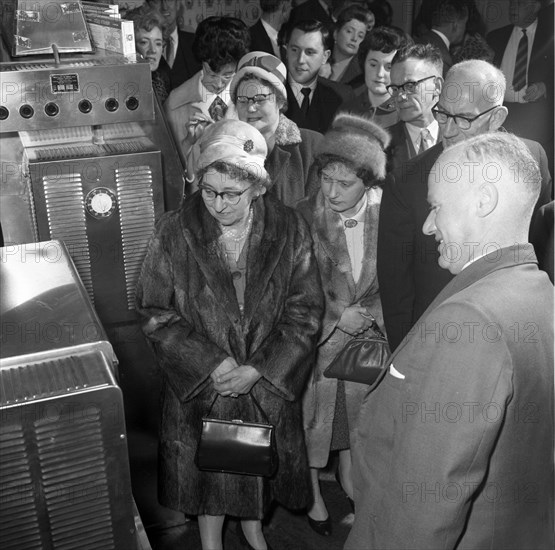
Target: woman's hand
239 380
355 320
227 365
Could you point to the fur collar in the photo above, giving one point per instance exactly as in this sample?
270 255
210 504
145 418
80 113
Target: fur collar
287 132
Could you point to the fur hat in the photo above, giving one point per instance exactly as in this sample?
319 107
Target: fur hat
236 143
359 141
264 65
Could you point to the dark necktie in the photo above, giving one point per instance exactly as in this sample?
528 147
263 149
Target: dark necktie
218 109
521 63
306 101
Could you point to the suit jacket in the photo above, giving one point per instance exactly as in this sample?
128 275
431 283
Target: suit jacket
312 9
434 39
324 103
260 41
352 74
541 236
456 452
532 120
410 277
185 65
401 147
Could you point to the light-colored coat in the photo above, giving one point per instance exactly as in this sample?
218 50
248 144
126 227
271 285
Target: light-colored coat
340 291
454 449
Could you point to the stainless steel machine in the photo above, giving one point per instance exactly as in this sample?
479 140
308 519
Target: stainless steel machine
64 470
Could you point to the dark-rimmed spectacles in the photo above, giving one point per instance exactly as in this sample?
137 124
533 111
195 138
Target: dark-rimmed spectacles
408 87
231 197
258 99
463 122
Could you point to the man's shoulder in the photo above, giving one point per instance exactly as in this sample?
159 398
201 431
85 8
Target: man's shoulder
336 90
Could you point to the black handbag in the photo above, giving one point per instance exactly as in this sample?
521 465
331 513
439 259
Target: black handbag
362 359
237 447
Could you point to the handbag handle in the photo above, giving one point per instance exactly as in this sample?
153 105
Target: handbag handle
254 400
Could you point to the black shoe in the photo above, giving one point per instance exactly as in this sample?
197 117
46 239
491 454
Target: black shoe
323 528
351 501
243 539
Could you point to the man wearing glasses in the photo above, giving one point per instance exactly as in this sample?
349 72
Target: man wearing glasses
416 83
470 104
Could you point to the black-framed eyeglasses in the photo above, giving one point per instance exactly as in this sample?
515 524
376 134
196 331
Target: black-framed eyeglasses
231 197
408 87
259 99
463 122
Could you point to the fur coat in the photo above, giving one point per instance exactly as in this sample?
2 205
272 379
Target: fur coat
193 321
340 291
290 161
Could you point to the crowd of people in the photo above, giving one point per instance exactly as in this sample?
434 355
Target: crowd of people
342 174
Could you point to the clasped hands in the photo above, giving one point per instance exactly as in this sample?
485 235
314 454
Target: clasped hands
231 379
355 320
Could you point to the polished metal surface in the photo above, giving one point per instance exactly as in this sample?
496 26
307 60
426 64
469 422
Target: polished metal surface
64 471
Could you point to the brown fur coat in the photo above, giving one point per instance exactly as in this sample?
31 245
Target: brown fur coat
193 321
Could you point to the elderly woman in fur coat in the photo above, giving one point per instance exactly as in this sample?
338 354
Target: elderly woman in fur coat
232 299
343 219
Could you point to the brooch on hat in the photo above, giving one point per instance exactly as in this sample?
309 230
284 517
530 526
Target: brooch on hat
248 146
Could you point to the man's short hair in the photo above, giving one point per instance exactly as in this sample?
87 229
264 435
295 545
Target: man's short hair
447 11
425 52
494 78
511 165
271 6
310 25
382 39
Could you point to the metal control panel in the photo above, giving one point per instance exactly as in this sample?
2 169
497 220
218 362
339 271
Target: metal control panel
84 90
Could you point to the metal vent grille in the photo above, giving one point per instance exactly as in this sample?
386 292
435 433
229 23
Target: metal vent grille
49 378
82 151
66 221
25 67
74 481
136 206
19 524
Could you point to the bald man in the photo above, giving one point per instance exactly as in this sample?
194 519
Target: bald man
470 104
454 446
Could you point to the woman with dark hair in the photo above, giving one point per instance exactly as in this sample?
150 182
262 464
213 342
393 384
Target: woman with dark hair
232 300
219 44
374 57
351 27
260 98
150 29
343 219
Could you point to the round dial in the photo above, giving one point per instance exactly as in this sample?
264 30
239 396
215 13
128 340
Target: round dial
100 202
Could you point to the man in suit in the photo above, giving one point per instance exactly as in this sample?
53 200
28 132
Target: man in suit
415 86
312 101
178 52
524 51
454 447
320 10
448 25
470 104
264 33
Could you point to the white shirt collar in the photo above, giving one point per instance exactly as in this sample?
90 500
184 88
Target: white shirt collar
443 37
415 132
361 214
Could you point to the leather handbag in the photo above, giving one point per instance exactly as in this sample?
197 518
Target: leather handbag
237 447
362 359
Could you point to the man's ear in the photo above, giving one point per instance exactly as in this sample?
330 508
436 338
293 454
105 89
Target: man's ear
487 199
497 118
439 85
327 54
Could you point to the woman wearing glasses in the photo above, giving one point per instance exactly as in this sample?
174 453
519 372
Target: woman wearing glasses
259 95
219 43
343 218
232 299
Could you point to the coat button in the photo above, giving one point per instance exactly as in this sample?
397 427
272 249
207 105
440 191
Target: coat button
236 275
